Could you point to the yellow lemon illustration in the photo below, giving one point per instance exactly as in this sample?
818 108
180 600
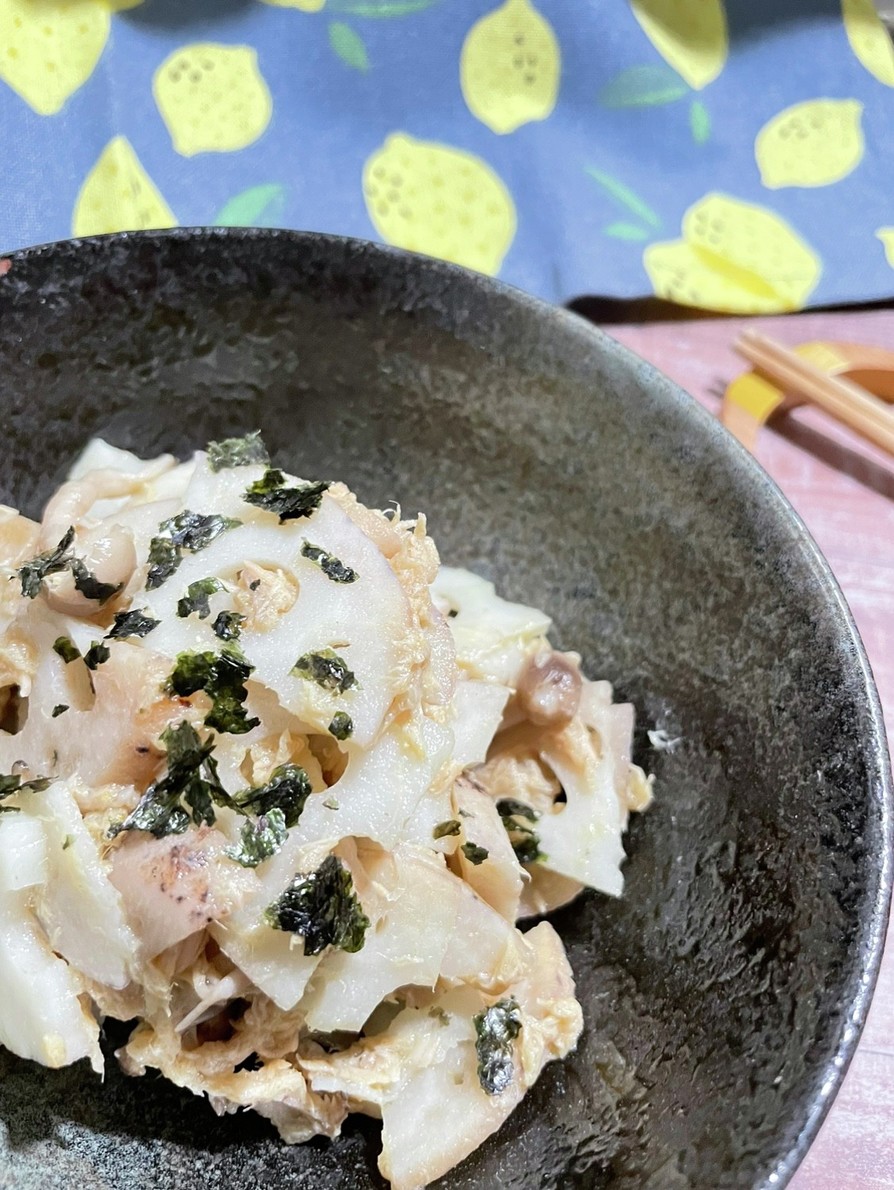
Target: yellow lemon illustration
301 5
120 5
212 97
691 36
886 235
118 195
869 39
50 48
430 198
734 256
510 67
810 144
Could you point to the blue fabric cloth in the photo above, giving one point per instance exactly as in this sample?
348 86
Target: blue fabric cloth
619 136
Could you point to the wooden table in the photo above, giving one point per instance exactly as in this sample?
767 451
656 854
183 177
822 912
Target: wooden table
844 491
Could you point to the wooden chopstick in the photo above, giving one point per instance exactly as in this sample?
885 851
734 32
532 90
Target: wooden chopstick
843 399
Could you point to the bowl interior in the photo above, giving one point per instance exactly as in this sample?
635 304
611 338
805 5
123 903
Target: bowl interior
717 993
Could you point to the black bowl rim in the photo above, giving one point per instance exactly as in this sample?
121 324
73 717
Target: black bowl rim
878 761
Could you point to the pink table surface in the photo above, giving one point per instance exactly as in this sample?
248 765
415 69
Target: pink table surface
844 491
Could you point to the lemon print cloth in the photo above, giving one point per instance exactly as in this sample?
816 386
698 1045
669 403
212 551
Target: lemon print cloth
734 155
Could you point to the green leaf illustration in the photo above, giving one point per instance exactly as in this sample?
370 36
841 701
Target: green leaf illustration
626 231
379 8
625 196
643 86
259 206
348 45
699 122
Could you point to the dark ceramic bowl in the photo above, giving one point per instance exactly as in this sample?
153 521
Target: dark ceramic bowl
723 995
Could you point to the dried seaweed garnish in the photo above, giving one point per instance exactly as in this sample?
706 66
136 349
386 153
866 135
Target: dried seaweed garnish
11 783
191 777
327 669
227 625
517 817
323 908
191 531
237 452
32 574
287 790
132 623
273 494
451 827
90 586
197 598
260 839
474 854
496 1028
341 726
331 566
96 655
222 676
64 647
164 559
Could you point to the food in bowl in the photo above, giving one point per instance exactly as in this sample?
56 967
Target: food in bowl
279 787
